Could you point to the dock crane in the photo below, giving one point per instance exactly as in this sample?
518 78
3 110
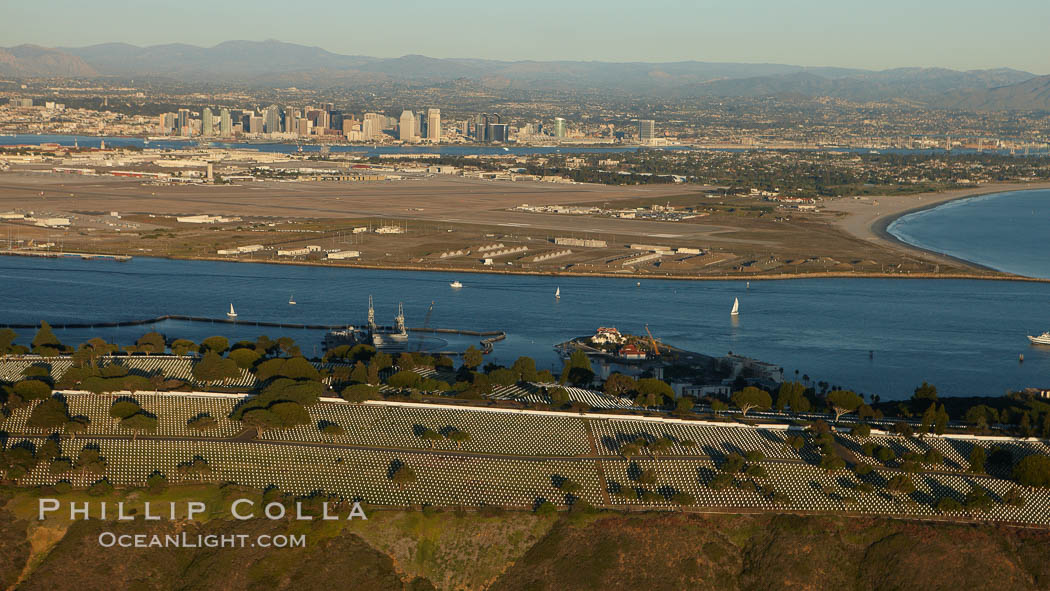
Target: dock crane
652 341
426 325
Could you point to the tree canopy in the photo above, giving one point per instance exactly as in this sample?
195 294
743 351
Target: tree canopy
750 398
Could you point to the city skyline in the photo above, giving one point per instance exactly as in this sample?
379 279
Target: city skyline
892 34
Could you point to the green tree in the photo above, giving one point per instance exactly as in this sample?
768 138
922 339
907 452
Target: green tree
156 482
925 392
653 392
792 395
901 484
49 414
843 402
570 486
1033 470
402 475
525 367
140 422
458 437
750 398
216 344
978 457
7 340
289 414
298 368
683 499
472 357
151 342
618 384
333 431
559 396
123 408
183 347
212 368
31 390
202 422
405 379
360 393
244 358
45 342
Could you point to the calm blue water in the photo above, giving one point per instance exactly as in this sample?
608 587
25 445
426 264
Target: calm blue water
1005 231
963 336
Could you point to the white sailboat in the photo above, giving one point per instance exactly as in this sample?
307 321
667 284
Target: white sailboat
291 300
231 313
736 307
557 293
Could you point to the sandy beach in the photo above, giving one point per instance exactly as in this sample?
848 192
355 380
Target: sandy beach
868 218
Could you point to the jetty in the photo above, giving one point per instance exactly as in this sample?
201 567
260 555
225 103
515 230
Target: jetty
51 254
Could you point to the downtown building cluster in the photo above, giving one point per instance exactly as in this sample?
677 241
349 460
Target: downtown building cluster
328 123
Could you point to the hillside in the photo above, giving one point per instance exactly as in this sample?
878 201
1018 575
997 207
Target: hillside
1033 93
509 551
33 60
266 63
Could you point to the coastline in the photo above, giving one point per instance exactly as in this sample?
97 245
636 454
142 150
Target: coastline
875 228
994 276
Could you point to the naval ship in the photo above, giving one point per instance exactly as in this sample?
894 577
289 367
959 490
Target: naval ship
389 339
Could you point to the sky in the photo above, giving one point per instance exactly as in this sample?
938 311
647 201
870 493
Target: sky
874 34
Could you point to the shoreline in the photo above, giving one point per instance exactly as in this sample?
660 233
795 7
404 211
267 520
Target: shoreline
997 276
877 230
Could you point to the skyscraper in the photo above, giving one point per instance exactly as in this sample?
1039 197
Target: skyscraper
272 120
207 123
373 125
434 125
646 131
559 127
182 124
225 123
406 127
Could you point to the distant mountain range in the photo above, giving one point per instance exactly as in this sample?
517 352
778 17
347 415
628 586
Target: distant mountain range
277 63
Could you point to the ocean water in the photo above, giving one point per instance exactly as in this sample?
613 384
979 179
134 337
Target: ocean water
1005 231
878 336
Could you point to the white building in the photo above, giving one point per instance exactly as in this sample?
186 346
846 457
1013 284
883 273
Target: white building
406 127
434 125
344 254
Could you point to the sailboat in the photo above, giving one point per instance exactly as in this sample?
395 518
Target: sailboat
291 300
557 293
231 313
736 307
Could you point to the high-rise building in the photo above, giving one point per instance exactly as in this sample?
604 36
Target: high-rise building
646 131
225 123
498 132
335 120
272 120
373 125
255 124
434 125
167 123
406 127
559 127
182 125
207 123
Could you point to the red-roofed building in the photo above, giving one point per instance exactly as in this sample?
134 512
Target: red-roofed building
631 352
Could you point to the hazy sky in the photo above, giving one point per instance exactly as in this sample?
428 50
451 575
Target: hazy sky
961 34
